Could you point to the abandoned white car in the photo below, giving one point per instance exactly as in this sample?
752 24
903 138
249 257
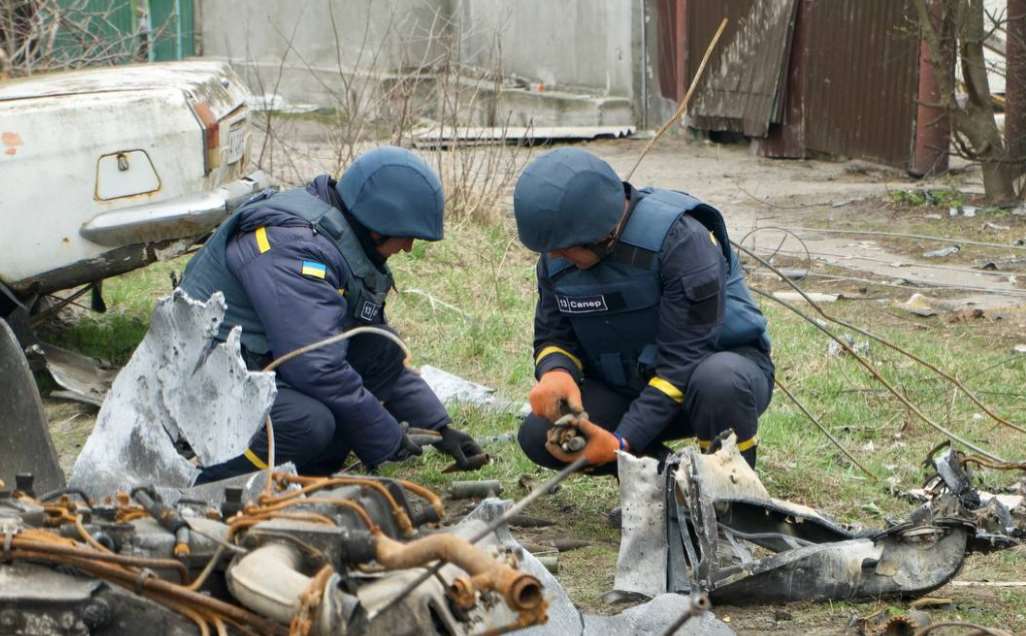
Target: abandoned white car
106 170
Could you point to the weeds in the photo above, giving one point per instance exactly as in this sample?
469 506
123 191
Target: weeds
919 197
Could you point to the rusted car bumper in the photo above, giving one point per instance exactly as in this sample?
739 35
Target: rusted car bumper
176 218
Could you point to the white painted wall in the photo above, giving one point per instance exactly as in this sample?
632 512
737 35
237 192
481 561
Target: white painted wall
580 45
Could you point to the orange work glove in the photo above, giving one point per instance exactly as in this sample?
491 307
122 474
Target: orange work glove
600 449
554 391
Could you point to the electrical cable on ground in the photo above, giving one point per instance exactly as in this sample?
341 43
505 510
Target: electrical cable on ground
826 432
847 325
295 353
869 367
922 237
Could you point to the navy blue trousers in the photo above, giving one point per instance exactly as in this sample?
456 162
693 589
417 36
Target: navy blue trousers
307 434
728 390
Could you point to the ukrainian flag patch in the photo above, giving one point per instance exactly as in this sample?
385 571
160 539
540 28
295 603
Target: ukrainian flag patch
313 269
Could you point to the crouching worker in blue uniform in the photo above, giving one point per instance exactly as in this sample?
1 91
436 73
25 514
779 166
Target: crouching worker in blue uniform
643 321
305 264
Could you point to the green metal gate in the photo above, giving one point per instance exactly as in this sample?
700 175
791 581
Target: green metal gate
124 31
172 31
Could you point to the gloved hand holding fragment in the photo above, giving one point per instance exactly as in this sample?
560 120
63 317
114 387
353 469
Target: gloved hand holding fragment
555 394
599 449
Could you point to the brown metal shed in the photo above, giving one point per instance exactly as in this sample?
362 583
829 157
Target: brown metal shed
805 76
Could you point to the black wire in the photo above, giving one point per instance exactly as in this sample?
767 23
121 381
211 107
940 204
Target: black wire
53 494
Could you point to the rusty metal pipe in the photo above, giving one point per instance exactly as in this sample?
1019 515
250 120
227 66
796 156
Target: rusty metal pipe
521 591
311 484
120 559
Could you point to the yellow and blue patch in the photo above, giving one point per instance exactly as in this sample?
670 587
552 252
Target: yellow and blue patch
313 269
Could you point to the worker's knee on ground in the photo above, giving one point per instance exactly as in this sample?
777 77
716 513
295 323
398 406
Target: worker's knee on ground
717 381
305 436
531 437
719 398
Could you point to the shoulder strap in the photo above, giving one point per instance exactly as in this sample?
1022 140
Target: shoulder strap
330 222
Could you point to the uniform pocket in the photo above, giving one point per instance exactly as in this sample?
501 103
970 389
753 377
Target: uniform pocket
702 291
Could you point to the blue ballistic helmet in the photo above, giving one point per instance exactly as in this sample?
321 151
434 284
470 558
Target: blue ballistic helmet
393 192
566 197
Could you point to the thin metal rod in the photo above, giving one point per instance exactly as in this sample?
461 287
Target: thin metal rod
822 428
847 325
922 237
869 367
509 514
683 102
277 362
698 604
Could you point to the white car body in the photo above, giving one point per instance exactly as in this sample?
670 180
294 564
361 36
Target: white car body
106 170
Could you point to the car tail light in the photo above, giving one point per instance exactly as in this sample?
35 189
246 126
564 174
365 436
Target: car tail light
211 137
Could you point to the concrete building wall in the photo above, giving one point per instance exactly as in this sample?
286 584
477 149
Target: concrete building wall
300 37
291 48
569 44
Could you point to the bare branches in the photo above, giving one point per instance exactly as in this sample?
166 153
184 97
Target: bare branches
956 30
47 35
403 73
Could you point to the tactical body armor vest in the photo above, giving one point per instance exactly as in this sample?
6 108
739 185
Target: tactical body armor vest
614 306
208 271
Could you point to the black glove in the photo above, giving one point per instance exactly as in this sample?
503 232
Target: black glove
407 447
458 445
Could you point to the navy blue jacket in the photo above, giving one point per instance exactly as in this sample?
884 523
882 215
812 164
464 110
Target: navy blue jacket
685 326
296 281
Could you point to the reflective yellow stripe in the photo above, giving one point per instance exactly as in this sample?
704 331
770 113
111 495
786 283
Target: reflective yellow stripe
261 238
713 237
252 457
748 443
751 442
550 350
671 391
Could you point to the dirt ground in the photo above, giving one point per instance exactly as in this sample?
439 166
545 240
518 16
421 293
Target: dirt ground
755 195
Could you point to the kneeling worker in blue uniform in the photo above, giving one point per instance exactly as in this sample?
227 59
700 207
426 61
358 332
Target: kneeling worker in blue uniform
302 265
643 320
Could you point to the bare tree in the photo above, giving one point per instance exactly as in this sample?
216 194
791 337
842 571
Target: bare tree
47 35
955 32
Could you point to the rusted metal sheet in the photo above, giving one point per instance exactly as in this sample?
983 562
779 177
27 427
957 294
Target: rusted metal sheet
787 139
852 83
861 78
673 50
741 91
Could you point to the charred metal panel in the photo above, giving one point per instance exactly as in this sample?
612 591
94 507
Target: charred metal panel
861 78
741 89
25 444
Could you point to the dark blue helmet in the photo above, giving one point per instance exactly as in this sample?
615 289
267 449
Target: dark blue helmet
393 192
566 197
